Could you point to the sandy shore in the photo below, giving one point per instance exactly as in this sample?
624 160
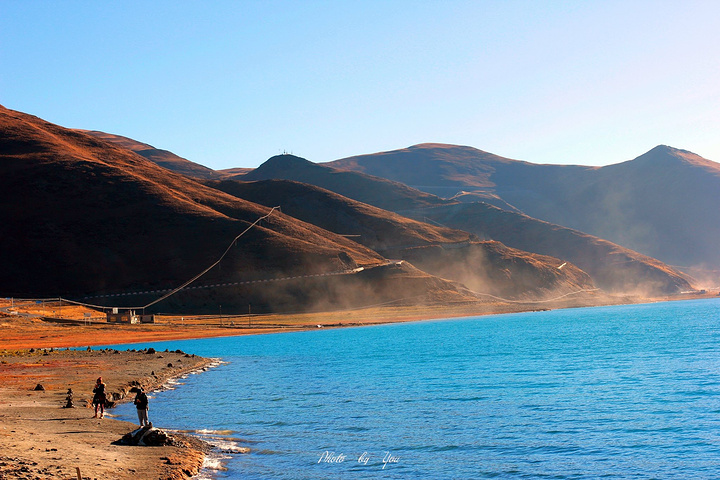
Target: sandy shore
40 439
70 330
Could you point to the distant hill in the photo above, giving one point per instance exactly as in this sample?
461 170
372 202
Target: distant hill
163 158
484 267
662 204
376 191
92 218
614 268
89 219
448 170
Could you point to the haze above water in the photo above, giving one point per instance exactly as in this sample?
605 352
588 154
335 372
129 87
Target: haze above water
614 392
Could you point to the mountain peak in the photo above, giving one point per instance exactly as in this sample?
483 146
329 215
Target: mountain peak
450 149
667 155
286 159
668 150
280 166
447 146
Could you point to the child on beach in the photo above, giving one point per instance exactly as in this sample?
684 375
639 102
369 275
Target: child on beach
99 398
141 402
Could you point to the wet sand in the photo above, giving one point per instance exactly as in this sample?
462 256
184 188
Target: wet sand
40 439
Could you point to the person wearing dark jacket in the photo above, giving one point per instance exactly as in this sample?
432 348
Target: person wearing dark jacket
141 403
99 398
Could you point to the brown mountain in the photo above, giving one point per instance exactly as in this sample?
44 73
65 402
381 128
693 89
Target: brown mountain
449 170
373 227
613 268
662 204
89 219
494 269
164 158
376 191
484 267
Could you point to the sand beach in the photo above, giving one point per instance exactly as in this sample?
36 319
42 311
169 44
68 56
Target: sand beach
40 438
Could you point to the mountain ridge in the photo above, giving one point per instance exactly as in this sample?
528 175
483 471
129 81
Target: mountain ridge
163 158
410 200
652 274
92 218
381 192
486 267
660 203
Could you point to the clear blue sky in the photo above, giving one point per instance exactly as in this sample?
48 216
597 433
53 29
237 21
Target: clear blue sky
231 83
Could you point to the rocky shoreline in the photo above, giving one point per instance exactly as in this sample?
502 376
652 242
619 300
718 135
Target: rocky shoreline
40 438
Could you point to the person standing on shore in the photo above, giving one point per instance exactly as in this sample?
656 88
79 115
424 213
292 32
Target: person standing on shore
141 402
99 398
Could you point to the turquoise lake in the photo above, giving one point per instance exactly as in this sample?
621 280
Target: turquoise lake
612 392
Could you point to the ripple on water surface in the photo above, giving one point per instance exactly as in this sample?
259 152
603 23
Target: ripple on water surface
613 392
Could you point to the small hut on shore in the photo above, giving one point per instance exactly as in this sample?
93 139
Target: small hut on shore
128 316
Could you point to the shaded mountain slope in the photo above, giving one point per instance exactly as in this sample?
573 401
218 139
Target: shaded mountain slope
164 158
662 204
447 170
376 191
494 269
486 267
612 267
370 226
88 218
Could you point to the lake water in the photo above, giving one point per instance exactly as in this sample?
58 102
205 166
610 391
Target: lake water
611 392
